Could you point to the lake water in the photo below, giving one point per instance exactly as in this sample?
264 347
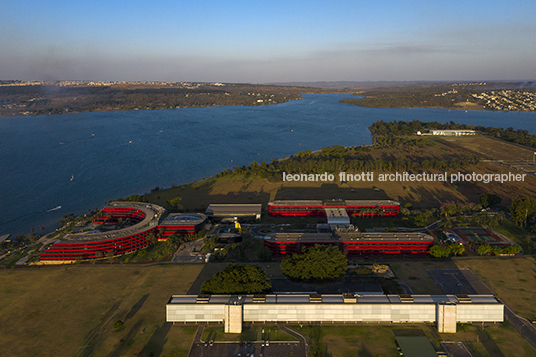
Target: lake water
80 161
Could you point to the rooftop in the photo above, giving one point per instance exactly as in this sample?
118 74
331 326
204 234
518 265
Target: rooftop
333 203
330 299
153 215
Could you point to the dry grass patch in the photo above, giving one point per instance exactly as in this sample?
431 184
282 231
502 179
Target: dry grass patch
68 311
513 279
494 148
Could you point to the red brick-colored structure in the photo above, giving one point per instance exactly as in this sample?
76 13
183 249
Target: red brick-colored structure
148 219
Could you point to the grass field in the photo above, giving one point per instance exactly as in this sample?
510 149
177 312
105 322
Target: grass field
197 196
513 279
493 148
69 311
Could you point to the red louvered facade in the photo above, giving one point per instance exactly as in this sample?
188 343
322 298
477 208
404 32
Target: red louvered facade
316 208
149 219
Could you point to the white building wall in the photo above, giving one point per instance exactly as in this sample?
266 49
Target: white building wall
339 312
480 312
410 312
195 313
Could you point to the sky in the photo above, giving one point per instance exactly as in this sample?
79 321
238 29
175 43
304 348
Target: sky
268 41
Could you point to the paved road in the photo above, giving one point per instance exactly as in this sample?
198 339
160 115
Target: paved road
184 256
303 346
407 289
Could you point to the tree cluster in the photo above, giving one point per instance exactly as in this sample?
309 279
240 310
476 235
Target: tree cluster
522 210
238 279
320 262
400 128
342 159
489 200
439 251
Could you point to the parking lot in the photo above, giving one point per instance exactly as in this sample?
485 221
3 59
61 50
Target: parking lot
451 281
244 349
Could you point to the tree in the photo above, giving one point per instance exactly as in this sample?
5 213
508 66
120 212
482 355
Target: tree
319 262
110 255
438 251
497 250
457 249
136 198
489 200
175 204
484 249
265 254
238 279
522 210
512 249
151 238
174 241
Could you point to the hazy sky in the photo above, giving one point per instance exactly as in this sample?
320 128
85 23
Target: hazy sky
267 41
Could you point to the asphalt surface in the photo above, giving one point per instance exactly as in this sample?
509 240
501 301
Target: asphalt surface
452 281
184 256
456 349
255 349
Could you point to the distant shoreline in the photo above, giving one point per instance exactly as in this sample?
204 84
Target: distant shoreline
44 99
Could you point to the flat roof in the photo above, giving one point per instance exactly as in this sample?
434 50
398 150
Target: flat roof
333 299
228 209
301 237
184 218
333 203
385 236
350 237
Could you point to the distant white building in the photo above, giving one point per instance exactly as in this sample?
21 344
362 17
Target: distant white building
447 132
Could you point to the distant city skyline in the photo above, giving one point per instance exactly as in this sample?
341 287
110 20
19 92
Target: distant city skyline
260 42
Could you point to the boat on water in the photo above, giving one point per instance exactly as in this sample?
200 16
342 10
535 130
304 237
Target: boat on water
72 177
54 209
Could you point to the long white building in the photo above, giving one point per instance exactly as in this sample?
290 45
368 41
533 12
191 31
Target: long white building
233 310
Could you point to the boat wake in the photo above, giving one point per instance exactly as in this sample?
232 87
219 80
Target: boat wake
54 209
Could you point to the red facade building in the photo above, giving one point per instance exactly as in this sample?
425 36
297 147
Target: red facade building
352 244
148 219
316 208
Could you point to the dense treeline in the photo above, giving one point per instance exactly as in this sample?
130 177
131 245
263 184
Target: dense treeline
398 128
435 96
337 158
411 100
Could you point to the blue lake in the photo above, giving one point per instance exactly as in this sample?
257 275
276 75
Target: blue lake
80 161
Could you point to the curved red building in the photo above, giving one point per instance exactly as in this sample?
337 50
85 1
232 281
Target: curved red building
149 219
